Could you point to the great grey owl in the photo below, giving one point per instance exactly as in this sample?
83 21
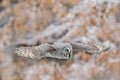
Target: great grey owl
60 50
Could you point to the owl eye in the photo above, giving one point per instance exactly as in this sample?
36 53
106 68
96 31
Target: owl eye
68 50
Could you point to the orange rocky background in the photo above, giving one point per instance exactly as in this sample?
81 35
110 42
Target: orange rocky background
32 22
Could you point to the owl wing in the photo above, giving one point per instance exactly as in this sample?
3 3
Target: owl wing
35 52
90 47
96 47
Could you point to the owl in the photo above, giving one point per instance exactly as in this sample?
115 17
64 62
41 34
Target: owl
60 50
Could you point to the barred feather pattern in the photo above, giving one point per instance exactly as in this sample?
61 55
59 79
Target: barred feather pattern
60 50
96 47
35 52
91 46
27 52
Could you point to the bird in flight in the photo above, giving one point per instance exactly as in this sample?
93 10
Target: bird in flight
60 50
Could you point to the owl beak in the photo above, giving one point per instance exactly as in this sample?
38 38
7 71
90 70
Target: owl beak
70 55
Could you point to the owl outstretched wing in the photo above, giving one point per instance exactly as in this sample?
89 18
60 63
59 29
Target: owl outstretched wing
35 52
90 47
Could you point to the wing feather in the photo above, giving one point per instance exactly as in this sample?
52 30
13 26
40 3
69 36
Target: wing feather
27 52
35 52
90 47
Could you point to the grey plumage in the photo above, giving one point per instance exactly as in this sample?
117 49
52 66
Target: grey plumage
90 47
60 50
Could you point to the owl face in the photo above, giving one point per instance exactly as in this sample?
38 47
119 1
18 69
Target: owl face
64 51
67 52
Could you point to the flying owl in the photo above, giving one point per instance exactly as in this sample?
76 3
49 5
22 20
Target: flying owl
60 50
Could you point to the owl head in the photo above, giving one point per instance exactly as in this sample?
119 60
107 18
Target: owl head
62 51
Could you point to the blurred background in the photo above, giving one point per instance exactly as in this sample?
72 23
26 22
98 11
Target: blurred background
32 22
